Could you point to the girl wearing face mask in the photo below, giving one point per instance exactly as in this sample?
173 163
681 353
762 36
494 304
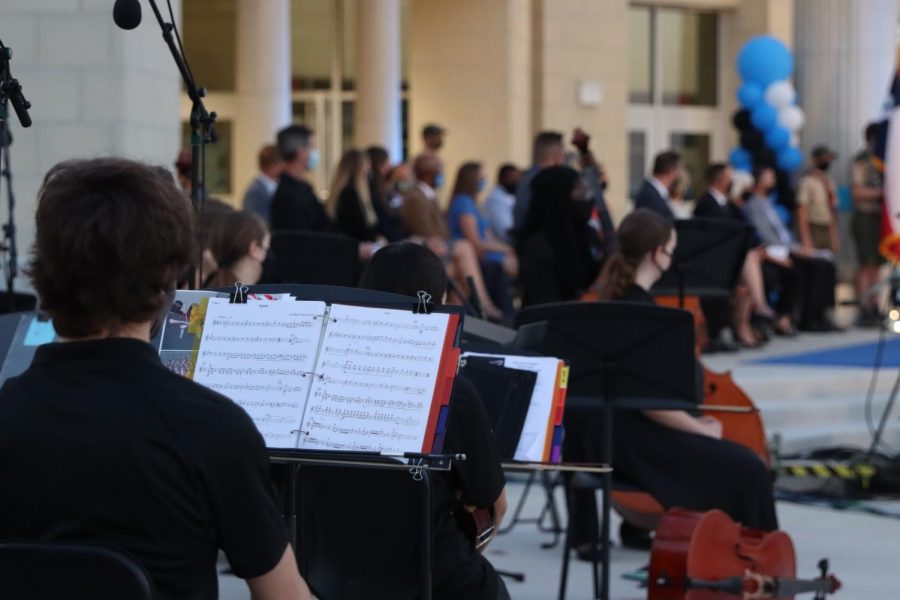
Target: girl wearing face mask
239 243
555 242
677 457
467 222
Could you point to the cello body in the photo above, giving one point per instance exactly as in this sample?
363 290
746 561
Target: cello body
710 547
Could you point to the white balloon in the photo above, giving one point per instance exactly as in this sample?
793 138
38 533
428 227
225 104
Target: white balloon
780 94
791 118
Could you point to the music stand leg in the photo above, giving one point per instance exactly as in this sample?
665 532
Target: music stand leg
519 505
607 458
882 423
567 548
290 503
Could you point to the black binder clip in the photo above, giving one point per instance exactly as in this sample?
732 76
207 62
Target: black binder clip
424 305
239 295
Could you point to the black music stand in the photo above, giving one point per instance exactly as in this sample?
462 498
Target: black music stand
708 258
621 355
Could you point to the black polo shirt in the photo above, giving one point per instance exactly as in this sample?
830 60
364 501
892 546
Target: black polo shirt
295 207
100 443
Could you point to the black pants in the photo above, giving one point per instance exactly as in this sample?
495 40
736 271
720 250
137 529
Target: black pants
716 311
785 281
816 280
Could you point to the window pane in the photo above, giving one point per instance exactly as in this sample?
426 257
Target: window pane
689 57
694 150
640 55
312 27
218 157
213 63
637 148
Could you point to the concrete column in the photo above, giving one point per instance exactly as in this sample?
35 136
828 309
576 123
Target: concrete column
845 51
378 76
263 83
96 90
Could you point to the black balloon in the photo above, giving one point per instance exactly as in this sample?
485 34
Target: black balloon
752 140
764 157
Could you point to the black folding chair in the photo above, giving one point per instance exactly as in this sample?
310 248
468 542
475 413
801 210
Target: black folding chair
322 258
51 571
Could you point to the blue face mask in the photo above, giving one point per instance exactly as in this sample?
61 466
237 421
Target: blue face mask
313 161
438 180
481 184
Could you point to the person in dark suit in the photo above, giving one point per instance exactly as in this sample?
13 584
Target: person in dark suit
654 192
295 206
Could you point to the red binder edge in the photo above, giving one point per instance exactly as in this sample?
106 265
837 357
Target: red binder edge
443 385
554 441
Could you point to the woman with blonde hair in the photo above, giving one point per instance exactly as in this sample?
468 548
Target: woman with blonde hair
349 201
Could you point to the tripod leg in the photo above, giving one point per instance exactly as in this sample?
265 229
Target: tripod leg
879 432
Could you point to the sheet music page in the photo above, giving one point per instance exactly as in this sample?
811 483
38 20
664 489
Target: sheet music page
379 369
262 356
534 431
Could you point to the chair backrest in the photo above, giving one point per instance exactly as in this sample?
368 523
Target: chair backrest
308 257
364 532
49 570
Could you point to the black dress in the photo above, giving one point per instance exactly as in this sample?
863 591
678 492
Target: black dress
678 468
351 216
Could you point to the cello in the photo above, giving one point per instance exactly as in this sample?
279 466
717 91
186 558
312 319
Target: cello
707 556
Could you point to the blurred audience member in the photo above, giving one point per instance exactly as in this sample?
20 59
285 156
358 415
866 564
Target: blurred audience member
349 203
389 225
239 244
596 179
258 197
817 204
654 194
295 206
867 177
499 205
433 138
183 169
548 151
555 245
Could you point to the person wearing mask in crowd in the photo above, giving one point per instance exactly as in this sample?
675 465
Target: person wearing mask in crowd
424 221
817 205
389 225
239 245
556 261
654 193
258 197
676 456
466 222
547 151
154 465
499 205
806 281
349 204
716 203
867 178
433 138
295 206
459 571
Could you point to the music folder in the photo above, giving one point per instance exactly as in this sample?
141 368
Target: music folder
321 376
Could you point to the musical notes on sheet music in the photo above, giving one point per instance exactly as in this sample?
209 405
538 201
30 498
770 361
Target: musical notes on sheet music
378 372
261 355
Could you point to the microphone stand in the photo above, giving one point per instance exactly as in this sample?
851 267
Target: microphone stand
10 91
202 133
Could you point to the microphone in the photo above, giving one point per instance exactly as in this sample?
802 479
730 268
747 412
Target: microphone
127 13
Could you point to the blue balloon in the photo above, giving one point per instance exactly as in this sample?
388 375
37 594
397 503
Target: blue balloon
740 159
763 117
778 138
763 60
749 95
790 159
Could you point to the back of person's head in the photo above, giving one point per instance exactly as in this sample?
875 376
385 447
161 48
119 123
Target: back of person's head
406 268
548 147
639 234
112 237
467 178
233 236
269 157
506 171
379 159
871 133
551 209
713 172
292 139
426 166
666 163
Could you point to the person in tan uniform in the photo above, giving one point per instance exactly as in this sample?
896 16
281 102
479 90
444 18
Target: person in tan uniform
424 221
817 204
